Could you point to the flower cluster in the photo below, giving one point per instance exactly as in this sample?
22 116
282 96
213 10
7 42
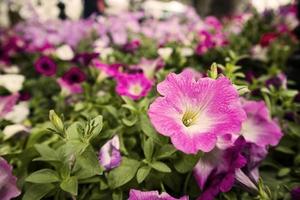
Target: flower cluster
140 115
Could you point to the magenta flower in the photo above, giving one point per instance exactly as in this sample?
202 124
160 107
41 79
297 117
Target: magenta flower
7 104
8 182
71 81
259 128
46 66
295 193
195 113
152 195
74 75
134 86
109 154
132 46
215 171
85 58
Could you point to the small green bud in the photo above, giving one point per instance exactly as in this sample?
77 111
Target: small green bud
56 121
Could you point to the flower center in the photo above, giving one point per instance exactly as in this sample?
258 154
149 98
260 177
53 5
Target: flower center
135 89
189 117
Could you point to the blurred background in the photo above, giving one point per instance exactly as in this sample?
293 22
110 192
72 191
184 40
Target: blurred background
12 11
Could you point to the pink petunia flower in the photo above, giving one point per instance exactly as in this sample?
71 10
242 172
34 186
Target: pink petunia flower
259 128
110 70
109 154
152 195
149 67
134 86
194 113
8 182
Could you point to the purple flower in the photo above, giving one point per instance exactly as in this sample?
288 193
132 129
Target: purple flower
46 66
8 185
74 75
295 193
134 86
278 81
85 58
7 104
152 195
259 128
132 46
215 171
71 81
194 113
109 154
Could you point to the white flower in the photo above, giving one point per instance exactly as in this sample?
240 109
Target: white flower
12 82
186 51
13 69
64 52
18 114
165 53
13 129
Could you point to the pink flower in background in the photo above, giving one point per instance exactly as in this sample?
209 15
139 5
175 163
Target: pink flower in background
8 182
109 154
267 38
194 113
111 70
7 104
149 67
151 195
134 86
71 81
215 171
259 128
46 66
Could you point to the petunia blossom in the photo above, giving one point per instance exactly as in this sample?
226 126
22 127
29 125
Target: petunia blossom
259 128
195 112
109 154
71 81
215 171
152 195
108 70
46 66
8 185
134 86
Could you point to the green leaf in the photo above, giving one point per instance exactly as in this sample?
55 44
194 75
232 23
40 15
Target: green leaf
165 151
142 173
148 129
160 166
95 126
186 162
47 153
70 185
37 191
43 176
74 131
117 195
124 173
148 149
89 164
283 172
